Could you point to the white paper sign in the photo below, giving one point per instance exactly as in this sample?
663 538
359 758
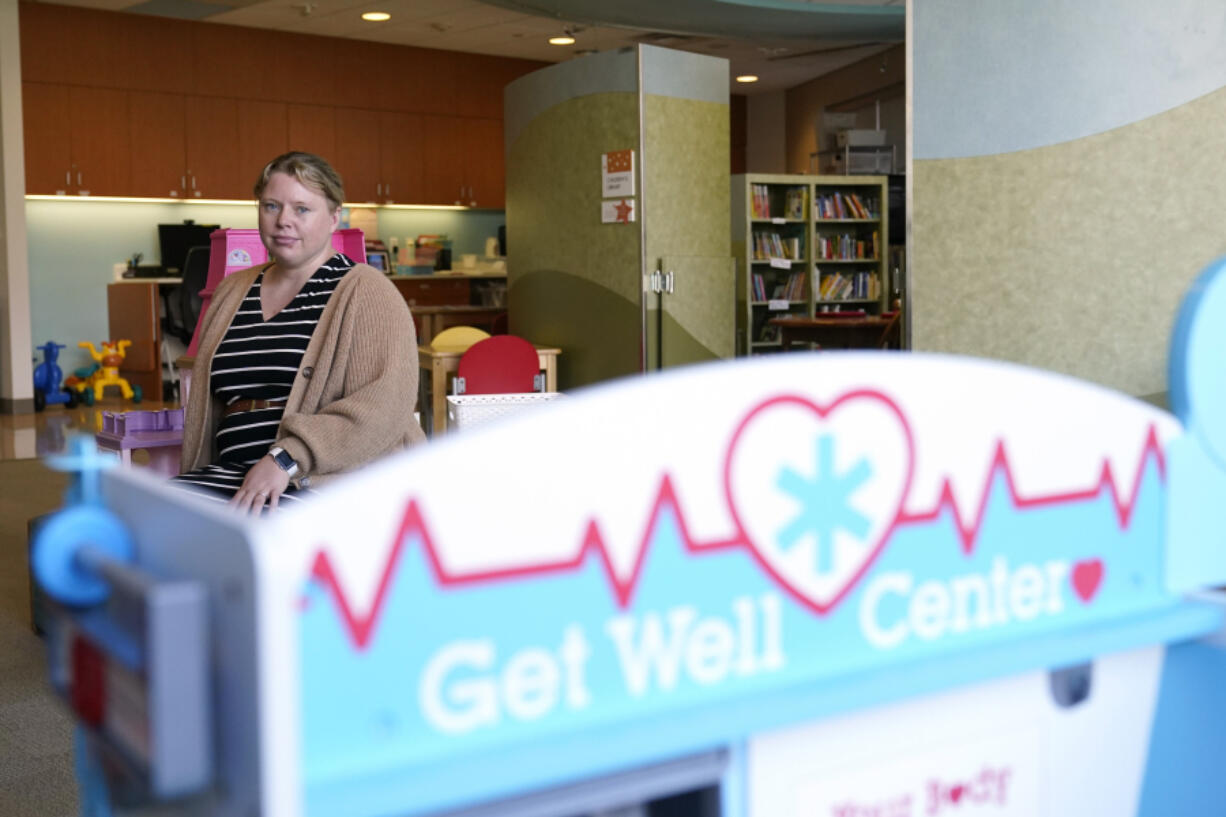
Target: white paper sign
777 304
617 173
781 263
618 211
995 776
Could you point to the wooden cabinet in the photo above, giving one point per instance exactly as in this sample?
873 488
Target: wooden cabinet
133 313
442 177
484 163
158 144
132 105
464 162
400 158
48 142
378 154
357 153
76 140
312 128
213 167
263 135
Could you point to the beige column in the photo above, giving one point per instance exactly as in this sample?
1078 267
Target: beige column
16 371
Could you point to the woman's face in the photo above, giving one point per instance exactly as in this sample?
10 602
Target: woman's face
296 223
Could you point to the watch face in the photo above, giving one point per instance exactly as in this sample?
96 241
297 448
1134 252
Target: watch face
283 459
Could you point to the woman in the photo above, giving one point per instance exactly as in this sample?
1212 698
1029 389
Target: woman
307 365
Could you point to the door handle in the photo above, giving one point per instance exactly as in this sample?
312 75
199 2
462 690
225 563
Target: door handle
669 282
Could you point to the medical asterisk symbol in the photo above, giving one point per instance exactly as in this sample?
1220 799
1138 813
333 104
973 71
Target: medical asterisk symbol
825 502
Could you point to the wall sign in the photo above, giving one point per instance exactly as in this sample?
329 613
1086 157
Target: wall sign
617 173
619 211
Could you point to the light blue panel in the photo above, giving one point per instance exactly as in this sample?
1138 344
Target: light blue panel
588 697
73 245
72 248
995 76
530 95
680 74
1188 739
467 229
1196 524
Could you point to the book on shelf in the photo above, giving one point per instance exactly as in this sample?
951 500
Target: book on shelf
772 245
794 203
846 286
846 206
848 247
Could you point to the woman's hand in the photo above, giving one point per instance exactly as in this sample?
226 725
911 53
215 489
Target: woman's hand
265 482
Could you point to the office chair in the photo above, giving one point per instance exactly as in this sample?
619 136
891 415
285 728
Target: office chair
195 277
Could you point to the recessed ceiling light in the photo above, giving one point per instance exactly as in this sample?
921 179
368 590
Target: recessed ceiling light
747 78
376 16
565 39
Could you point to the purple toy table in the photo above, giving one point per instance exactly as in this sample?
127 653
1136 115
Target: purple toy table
158 432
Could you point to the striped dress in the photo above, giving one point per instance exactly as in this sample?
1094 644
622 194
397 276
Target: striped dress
258 360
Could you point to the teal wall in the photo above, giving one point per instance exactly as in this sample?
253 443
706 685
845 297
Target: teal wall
73 245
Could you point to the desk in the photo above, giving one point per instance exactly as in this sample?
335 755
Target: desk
435 318
134 312
866 332
442 362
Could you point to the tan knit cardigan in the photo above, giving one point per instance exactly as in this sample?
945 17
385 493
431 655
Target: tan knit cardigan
353 398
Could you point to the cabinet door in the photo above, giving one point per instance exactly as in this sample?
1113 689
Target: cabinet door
442 171
263 136
696 321
484 164
312 128
400 157
48 142
158 144
357 153
213 170
100 144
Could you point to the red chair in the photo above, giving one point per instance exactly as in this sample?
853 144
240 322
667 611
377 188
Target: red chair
502 364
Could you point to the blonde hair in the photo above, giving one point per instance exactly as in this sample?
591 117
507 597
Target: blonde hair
310 170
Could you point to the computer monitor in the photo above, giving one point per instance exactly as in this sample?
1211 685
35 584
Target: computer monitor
174 240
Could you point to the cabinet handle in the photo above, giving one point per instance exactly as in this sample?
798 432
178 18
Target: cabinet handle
78 178
387 190
193 182
182 182
378 188
669 282
67 178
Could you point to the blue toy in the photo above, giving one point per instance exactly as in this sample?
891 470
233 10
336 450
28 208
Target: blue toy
47 376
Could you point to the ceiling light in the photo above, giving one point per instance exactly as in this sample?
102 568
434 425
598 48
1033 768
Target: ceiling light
376 16
747 78
565 39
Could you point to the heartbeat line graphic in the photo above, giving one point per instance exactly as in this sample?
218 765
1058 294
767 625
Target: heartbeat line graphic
361 627
968 532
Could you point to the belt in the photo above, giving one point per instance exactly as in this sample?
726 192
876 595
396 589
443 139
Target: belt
251 405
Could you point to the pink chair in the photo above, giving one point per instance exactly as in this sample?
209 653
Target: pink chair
502 364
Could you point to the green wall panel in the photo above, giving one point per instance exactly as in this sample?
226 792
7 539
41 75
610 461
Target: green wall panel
554 227
1073 257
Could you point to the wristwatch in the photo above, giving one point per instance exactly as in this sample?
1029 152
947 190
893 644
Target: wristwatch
282 458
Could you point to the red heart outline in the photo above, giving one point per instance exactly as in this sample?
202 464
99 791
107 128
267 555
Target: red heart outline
1087 578
822 412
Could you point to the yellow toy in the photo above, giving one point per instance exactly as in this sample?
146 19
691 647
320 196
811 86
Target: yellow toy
105 372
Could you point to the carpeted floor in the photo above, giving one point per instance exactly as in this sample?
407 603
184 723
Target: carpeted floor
36 773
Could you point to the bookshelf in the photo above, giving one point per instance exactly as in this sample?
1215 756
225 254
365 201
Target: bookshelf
806 245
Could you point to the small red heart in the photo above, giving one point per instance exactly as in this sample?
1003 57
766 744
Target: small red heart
955 793
1087 576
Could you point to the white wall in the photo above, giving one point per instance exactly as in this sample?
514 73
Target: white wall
16 372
